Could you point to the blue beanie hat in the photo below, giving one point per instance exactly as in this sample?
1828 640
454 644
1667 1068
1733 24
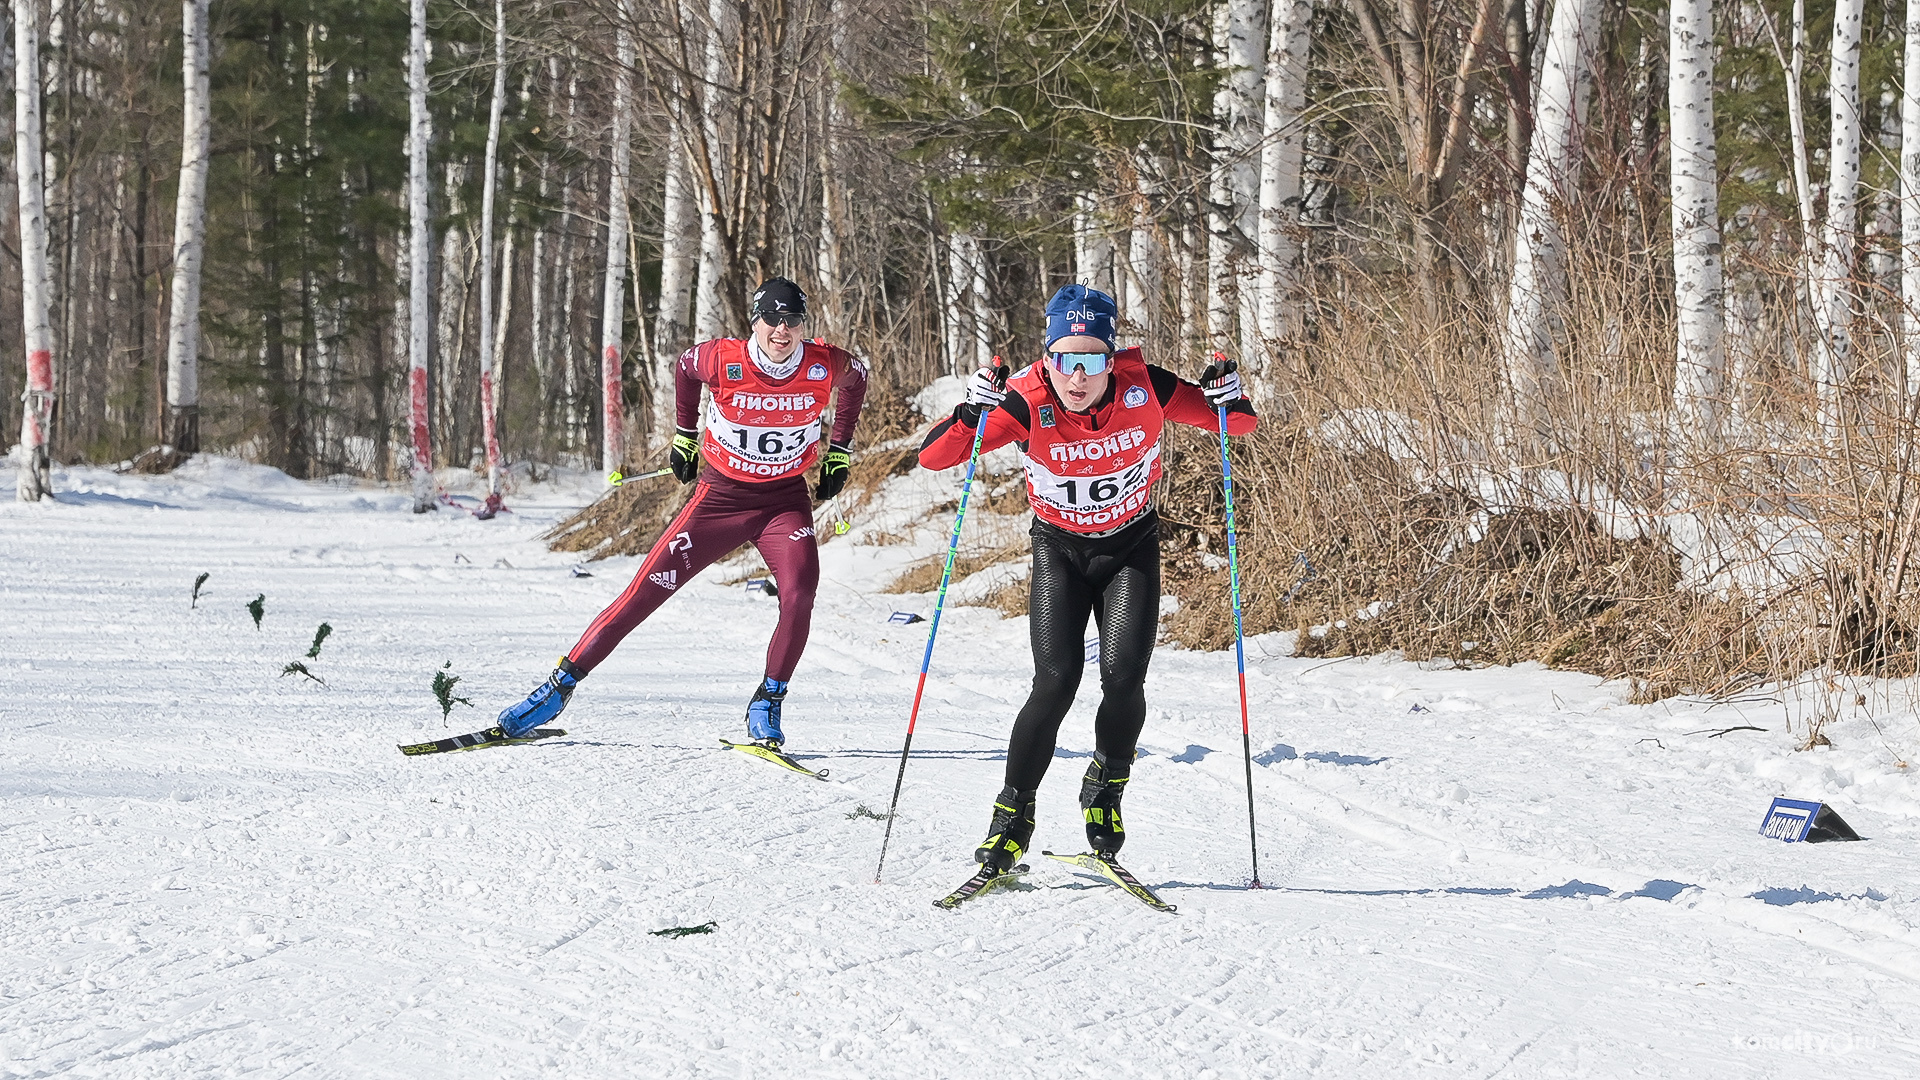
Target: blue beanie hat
1077 310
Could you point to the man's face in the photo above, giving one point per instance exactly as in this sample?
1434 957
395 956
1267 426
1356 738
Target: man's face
1077 390
775 338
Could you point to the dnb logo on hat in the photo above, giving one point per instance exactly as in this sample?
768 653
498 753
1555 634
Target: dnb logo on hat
817 371
1135 397
735 373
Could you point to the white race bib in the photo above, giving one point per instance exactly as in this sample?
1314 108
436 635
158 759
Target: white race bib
761 445
1082 495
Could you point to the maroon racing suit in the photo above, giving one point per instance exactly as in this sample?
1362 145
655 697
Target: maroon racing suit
726 511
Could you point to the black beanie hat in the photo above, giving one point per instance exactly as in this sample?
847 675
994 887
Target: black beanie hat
778 296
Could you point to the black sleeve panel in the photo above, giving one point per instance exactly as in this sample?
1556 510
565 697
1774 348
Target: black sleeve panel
1164 383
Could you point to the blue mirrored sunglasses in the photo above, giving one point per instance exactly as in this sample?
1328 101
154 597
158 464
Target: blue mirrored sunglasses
1066 363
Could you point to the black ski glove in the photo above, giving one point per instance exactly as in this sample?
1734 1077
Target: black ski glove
834 465
684 457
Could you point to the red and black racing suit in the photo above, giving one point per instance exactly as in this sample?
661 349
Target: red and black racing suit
1096 541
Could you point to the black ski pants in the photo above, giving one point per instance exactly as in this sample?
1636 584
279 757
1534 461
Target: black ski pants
1116 579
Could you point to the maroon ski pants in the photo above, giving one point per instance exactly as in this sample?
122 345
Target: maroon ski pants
776 515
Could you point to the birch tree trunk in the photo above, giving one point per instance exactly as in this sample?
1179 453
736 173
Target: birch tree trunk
1833 309
35 479
678 256
1539 247
1699 361
1092 247
613 434
1910 204
489 378
1233 195
419 256
1280 176
709 320
828 263
189 239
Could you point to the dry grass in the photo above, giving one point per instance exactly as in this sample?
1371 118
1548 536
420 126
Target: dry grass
924 575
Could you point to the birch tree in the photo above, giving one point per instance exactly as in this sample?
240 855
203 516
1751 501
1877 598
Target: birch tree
419 256
1910 203
1282 138
489 378
1233 194
709 320
1833 286
613 434
35 478
1699 361
678 255
189 237
1538 284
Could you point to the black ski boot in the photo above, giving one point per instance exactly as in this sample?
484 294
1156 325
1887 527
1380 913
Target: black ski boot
1100 792
1010 831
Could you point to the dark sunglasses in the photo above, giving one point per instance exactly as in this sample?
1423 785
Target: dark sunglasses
772 319
1066 363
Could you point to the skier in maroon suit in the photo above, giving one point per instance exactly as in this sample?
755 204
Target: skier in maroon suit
767 394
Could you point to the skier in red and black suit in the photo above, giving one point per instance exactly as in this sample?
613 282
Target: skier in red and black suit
766 397
1087 420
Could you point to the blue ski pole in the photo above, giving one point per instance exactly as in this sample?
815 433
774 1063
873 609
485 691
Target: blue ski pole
1239 638
933 629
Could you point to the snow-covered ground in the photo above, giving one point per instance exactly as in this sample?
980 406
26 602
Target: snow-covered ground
212 869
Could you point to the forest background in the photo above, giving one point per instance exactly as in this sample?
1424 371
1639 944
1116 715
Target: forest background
1583 330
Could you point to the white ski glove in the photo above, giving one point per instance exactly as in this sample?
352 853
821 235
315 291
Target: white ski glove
987 388
1221 383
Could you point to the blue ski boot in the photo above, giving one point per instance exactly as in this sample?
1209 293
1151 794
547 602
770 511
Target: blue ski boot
544 704
763 713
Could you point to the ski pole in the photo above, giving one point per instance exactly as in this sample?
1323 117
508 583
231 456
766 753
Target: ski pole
615 479
1239 638
933 628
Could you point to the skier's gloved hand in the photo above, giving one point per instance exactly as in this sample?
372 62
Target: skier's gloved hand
834 465
986 389
1221 382
684 456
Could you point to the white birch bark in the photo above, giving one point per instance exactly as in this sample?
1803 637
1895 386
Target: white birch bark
1092 247
829 267
1538 284
1832 311
1233 189
613 433
962 255
490 378
678 266
35 478
1699 361
1283 139
1910 203
709 320
981 315
680 210
189 237
419 258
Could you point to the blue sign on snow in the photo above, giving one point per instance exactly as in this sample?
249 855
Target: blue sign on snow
905 618
1794 820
